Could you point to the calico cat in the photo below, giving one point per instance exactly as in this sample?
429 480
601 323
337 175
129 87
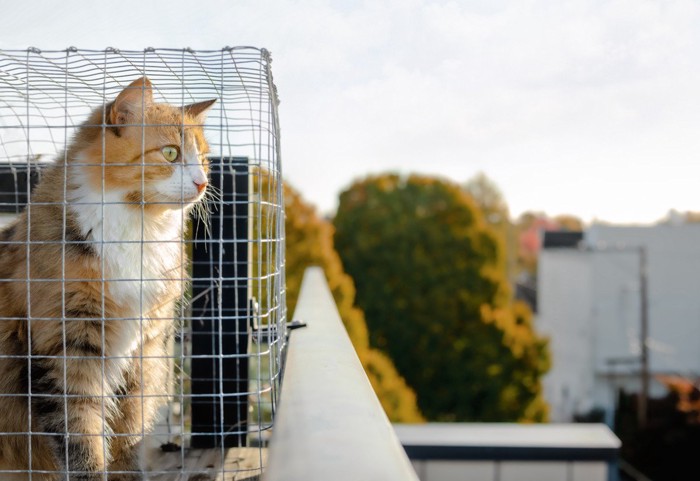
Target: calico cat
87 305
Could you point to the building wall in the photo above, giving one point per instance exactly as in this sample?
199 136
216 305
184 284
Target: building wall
564 313
457 470
674 285
589 306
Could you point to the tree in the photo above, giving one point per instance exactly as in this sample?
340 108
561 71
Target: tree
430 279
494 209
529 227
489 198
569 222
309 241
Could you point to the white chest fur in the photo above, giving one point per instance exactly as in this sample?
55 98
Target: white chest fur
140 258
139 253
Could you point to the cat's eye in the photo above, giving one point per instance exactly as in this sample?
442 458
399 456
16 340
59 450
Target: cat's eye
170 152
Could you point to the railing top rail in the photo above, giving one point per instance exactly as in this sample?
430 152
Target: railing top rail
330 424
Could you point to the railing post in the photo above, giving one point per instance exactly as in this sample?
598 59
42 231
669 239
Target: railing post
220 312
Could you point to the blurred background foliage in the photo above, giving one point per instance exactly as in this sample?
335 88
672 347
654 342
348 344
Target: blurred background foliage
431 277
309 242
422 271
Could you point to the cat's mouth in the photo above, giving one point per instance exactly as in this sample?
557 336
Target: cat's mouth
185 200
171 201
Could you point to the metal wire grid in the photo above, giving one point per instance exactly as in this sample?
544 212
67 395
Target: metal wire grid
44 97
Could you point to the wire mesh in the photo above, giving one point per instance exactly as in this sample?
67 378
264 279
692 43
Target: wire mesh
142 296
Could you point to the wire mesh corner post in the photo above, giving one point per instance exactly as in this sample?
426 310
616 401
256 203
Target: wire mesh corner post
224 376
220 349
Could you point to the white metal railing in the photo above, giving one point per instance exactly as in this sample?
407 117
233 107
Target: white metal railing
330 424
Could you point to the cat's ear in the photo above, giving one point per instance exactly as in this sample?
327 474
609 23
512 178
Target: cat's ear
130 103
199 110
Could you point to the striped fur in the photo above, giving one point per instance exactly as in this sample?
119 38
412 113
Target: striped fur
86 309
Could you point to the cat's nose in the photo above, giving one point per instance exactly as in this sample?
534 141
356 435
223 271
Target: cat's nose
201 185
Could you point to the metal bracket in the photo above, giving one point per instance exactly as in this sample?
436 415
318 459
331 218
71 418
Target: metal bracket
295 324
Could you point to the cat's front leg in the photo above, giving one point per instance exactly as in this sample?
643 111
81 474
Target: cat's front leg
144 392
70 401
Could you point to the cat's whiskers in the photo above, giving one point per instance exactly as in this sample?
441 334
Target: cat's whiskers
213 192
202 211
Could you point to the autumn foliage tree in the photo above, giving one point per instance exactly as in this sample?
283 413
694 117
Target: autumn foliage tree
309 242
431 281
529 227
494 209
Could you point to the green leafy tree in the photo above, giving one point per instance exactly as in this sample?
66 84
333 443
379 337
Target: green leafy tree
309 242
431 281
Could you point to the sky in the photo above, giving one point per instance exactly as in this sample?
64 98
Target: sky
582 107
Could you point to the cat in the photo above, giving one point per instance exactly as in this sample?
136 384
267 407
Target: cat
87 307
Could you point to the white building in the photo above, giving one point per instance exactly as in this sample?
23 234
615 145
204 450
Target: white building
589 306
510 452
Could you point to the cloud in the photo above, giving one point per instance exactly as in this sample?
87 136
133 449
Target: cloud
536 89
564 104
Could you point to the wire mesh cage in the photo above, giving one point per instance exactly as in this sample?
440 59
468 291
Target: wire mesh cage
142 300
